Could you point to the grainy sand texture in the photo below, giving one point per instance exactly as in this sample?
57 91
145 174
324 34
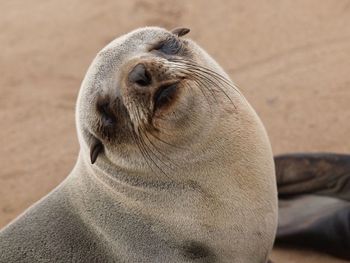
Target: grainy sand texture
290 58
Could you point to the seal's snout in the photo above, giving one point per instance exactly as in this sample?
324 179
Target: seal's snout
140 76
152 83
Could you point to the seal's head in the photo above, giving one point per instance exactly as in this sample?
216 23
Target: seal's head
166 127
150 94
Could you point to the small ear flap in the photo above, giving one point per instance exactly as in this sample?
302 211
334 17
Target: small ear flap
180 31
95 149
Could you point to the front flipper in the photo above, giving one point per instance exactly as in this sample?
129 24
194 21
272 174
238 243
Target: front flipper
314 202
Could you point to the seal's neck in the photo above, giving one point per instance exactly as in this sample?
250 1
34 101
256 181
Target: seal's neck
235 177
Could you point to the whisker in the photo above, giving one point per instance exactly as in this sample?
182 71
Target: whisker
157 149
143 148
149 156
213 83
134 136
203 73
165 142
198 68
217 75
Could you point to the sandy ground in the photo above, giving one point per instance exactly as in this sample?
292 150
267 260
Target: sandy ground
291 59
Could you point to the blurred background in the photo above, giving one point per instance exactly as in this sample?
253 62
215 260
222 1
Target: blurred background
290 58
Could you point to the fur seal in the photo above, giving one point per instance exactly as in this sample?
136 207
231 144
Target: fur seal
174 165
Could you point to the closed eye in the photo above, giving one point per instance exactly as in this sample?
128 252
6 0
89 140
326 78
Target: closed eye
170 46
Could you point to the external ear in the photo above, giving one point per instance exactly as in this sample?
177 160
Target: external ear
180 31
95 149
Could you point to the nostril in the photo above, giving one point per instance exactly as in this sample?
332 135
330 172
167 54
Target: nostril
140 75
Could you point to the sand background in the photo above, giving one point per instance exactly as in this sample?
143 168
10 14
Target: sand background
291 59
